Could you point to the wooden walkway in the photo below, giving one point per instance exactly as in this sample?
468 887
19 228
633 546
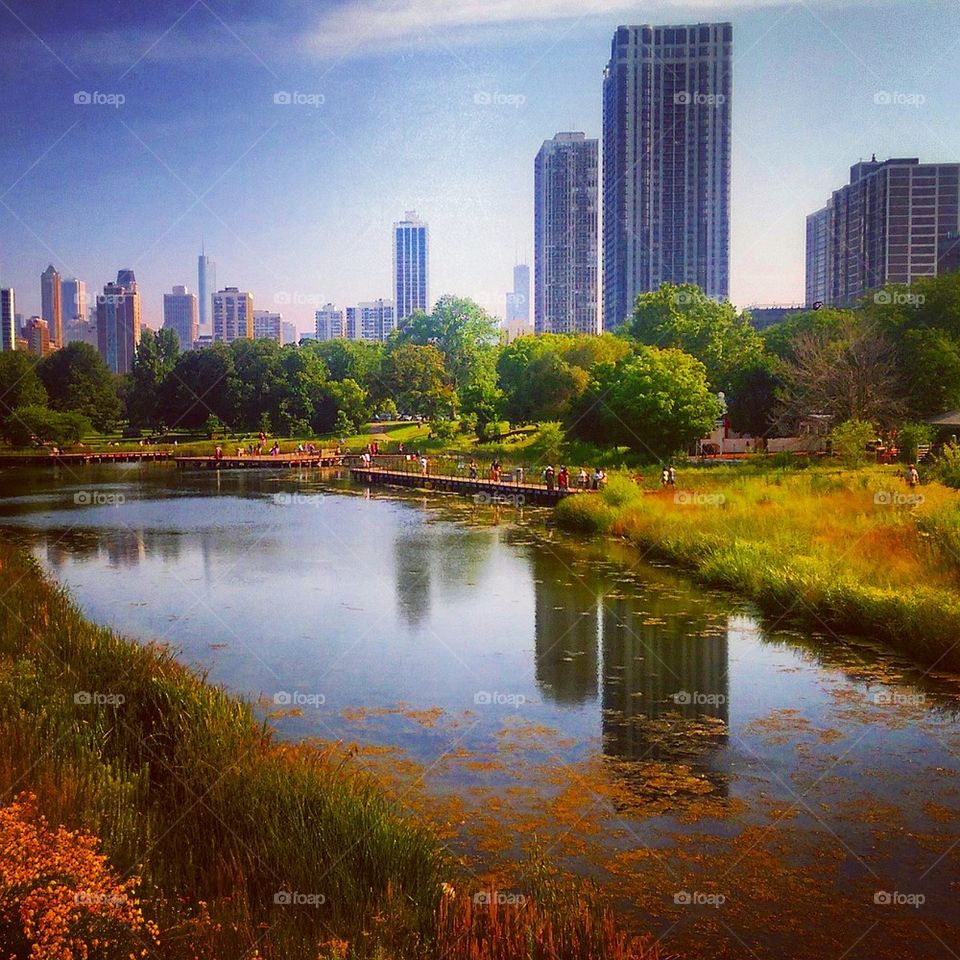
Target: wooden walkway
292 461
70 459
485 491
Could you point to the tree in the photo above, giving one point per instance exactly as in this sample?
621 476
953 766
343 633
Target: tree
30 424
752 396
156 356
203 382
77 380
686 318
657 402
850 440
417 378
19 384
827 324
855 376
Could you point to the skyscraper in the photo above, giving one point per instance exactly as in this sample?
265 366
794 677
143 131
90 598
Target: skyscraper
330 323
206 284
37 334
118 322
518 300
410 266
667 97
8 319
232 315
565 235
896 220
50 303
181 315
73 300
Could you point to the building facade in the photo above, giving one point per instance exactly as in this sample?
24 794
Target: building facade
37 334
73 300
411 263
8 319
331 324
118 322
289 330
51 304
667 99
374 321
268 326
565 235
232 315
181 314
518 300
895 221
206 285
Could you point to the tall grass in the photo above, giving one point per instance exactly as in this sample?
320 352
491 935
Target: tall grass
246 847
856 551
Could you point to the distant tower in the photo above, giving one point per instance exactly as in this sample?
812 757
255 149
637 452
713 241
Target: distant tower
118 322
206 284
410 266
73 300
8 319
518 300
565 235
51 308
180 315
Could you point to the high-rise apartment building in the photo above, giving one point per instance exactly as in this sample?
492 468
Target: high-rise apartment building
51 305
289 330
232 315
896 220
37 334
268 325
181 314
206 284
118 322
565 235
331 324
410 266
373 320
8 319
667 98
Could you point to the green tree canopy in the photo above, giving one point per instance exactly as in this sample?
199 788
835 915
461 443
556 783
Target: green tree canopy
156 356
77 379
417 378
19 384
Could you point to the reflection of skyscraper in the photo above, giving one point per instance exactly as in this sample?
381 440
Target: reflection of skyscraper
413 574
659 658
206 284
566 631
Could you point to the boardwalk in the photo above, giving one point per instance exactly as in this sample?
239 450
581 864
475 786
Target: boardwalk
298 461
484 490
78 459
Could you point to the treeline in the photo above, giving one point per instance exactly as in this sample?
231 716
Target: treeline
680 362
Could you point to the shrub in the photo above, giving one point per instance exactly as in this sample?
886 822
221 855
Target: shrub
550 439
27 425
850 440
910 437
588 514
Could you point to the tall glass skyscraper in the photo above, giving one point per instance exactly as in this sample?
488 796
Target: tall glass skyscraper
206 285
51 308
667 97
565 235
410 266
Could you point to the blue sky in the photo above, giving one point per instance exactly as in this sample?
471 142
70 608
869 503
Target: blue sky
400 111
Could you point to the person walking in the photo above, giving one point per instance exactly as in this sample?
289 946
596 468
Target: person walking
423 466
672 475
913 476
548 477
563 478
473 469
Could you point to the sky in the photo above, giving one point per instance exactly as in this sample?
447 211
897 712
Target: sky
289 135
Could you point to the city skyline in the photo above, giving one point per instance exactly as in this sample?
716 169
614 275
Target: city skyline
289 203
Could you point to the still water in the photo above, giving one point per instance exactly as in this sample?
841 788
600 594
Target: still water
740 787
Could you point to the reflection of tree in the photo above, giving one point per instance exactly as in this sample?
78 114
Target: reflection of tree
411 564
566 628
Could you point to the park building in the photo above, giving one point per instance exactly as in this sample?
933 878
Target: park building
181 315
232 315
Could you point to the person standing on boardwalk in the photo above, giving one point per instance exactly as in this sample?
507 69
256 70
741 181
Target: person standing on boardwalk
582 478
563 478
218 453
473 469
423 466
548 476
